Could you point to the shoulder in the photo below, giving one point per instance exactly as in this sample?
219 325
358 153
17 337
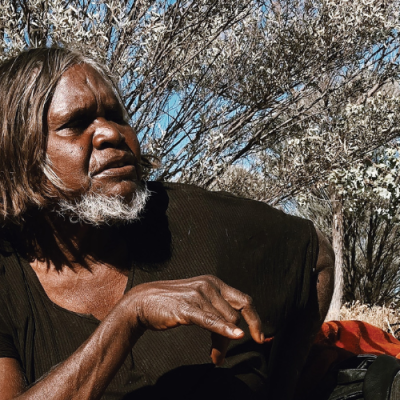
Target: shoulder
11 274
326 255
5 242
6 256
195 196
187 199
12 300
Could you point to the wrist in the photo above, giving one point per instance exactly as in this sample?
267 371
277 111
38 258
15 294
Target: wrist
130 315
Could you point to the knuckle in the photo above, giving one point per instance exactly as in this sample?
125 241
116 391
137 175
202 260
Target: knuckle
209 279
211 320
193 292
193 295
207 283
233 317
247 301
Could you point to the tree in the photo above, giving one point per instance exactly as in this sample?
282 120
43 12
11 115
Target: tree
371 267
371 216
287 89
212 82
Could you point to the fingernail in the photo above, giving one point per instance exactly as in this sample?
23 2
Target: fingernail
237 332
262 337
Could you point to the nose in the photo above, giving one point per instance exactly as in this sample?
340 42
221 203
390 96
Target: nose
107 134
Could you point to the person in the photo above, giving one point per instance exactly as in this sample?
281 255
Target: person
97 266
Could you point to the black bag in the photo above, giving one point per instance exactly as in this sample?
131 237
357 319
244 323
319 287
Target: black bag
362 377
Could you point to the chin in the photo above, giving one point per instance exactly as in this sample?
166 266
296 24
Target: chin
125 190
105 208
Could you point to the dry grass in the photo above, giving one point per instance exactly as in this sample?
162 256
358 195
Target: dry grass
385 318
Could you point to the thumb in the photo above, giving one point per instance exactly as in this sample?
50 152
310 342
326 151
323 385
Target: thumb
219 347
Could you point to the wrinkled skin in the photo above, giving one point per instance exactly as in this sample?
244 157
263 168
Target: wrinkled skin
205 301
88 136
93 149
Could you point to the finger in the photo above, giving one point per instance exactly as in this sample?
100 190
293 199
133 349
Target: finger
236 299
253 320
219 347
244 303
224 308
214 322
220 343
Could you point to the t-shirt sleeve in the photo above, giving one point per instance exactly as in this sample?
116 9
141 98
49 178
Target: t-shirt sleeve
7 347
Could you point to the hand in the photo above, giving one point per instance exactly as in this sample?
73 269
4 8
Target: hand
205 301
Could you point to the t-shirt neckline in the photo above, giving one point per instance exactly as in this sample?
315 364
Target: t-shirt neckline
35 280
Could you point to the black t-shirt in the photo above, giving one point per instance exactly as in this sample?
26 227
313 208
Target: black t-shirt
185 231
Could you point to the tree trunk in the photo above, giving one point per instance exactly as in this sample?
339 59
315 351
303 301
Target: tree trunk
337 244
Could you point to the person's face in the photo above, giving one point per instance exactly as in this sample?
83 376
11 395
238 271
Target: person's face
90 146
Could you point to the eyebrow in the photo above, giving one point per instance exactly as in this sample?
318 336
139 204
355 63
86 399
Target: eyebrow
66 116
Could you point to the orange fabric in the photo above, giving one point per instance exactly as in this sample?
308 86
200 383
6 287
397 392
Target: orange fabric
358 337
337 341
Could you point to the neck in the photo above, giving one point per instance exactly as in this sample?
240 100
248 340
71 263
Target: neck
76 245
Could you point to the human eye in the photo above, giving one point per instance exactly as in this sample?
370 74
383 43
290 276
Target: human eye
75 125
80 123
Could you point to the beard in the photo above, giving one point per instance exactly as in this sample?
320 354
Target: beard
98 209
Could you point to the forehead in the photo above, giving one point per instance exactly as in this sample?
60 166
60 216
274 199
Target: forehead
81 86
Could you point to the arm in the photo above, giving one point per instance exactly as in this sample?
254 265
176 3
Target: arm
204 301
293 342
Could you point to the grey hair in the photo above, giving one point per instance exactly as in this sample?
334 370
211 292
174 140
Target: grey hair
98 210
27 84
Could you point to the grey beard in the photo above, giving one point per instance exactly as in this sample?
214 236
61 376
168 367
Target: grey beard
97 209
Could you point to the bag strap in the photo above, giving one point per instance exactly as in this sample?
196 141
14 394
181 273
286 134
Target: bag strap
395 393
379 378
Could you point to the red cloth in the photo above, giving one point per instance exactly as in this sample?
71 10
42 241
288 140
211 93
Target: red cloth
358 337
339 340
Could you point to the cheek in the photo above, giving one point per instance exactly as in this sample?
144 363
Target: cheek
70 163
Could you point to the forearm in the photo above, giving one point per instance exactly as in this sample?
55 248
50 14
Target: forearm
204 301
88 371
